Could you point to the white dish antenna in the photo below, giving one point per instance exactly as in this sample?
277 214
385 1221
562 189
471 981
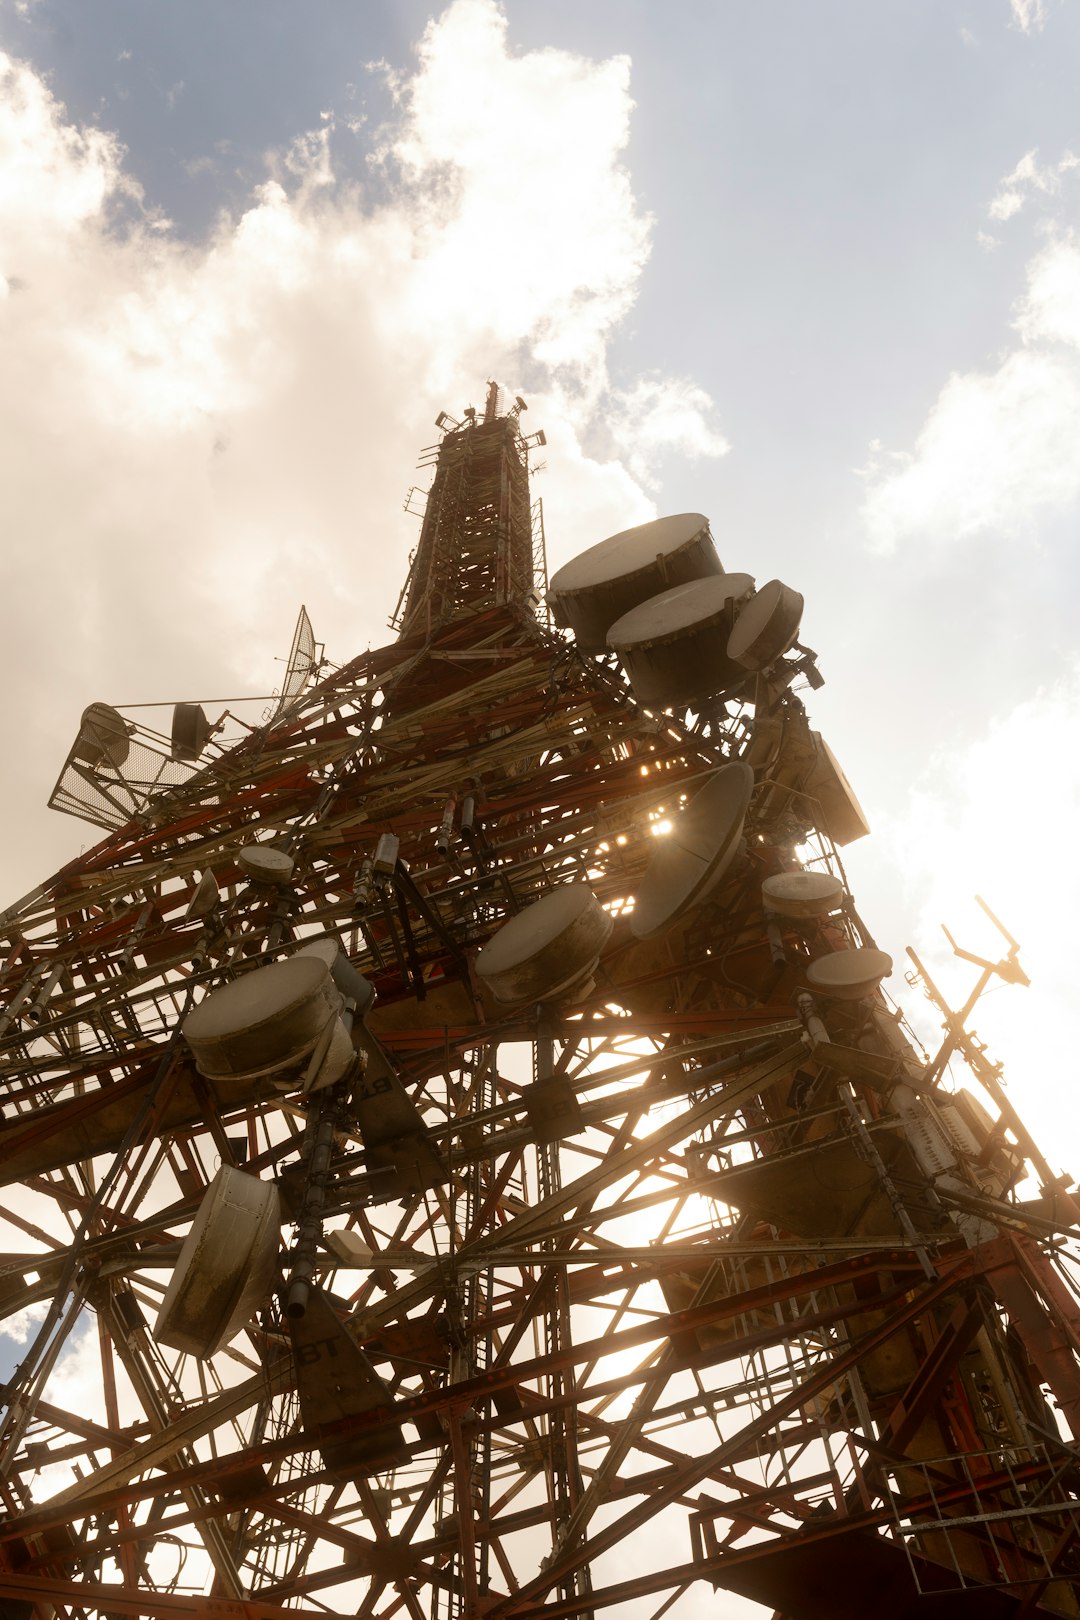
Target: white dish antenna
549 949
802 894
227 1265
600 585
849 975
674 647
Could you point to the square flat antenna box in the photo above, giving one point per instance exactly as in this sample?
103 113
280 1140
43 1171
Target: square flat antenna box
386 854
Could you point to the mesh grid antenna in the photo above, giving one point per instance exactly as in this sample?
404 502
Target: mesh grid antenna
301 664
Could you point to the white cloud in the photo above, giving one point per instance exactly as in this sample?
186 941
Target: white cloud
1002 447
1027 177
54 178
530 224
661 415
21 1324
996 450
196 437
1050 308
1029 15
1005 203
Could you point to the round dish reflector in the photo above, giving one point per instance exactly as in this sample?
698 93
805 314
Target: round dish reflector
674 646
849 975
697 852
766 627
263 1022
547 948
226 1267
266 864
599 585
802 894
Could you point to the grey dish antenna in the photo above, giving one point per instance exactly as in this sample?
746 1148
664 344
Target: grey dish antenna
674 646
227 1265
694 856
598 586
104 737
191 732
204 899
351 984
766 626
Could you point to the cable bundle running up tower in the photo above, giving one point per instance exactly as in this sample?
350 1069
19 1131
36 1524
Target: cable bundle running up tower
459 1160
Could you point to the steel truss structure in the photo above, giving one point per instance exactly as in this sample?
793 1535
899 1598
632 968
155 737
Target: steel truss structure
694 1282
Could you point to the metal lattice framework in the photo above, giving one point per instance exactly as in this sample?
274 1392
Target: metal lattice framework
690 1280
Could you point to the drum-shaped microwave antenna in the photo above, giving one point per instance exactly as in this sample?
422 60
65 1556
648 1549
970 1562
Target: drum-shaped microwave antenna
674 646
598 586
694 856
849 975
802 894
227 1265
766 626
267 1021
265 864
548 948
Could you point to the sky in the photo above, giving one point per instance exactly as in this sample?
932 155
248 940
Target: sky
812 269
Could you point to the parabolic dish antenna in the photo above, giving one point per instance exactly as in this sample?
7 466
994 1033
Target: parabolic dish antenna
849 975
227 1265
301 662
766 627
204 899
802 894
103 737
697 852
844 817
598 586
264 1022
674 646
547 948
190 731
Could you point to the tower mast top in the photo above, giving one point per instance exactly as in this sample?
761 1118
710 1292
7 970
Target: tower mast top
476 546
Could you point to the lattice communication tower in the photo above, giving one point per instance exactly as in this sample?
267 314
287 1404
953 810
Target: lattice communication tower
459 1158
